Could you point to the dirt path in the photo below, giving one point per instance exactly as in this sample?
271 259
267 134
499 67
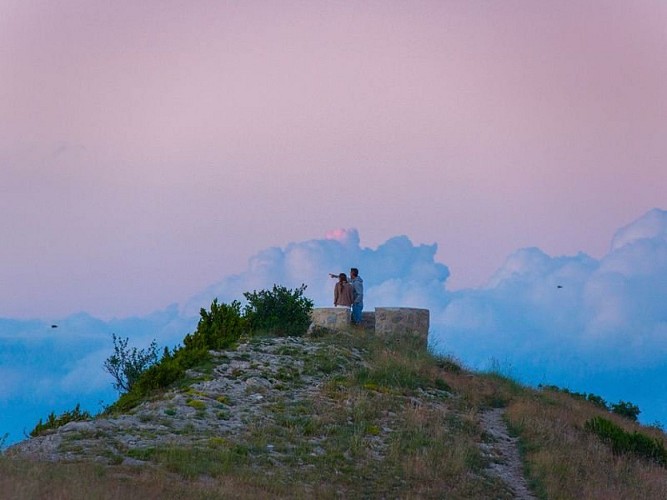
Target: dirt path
503 451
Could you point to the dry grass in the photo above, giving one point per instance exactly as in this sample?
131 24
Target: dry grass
29 480
565 461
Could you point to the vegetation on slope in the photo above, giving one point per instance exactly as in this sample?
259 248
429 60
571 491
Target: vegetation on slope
566 458
277 312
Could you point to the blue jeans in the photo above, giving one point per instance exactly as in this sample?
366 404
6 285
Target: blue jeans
356 313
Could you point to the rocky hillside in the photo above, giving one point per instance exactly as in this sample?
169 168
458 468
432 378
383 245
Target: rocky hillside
219 403
335 415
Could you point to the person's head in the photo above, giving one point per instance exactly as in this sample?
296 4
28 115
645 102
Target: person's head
342 278
354 272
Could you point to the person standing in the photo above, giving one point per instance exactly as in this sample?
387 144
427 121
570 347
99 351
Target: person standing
358 303
343 292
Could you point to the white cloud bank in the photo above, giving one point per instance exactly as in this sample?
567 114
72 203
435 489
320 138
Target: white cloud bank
575 321
612 311
396 273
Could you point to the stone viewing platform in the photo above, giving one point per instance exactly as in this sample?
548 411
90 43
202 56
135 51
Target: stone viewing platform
333 318
383 320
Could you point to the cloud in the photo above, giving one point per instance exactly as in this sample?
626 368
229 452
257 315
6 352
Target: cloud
399 272
652 226
11 381
45 369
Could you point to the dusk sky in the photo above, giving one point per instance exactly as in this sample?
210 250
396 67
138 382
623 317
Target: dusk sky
148 149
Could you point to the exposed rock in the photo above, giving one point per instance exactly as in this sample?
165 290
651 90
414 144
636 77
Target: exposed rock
243 384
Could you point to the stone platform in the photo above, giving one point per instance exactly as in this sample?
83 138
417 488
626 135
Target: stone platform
385 321
333 318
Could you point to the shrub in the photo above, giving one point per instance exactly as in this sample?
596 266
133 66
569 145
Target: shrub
219 328
591 398
126 401
622 441
126 365
196 404
626 409
53 422
161 375
597 401
279 311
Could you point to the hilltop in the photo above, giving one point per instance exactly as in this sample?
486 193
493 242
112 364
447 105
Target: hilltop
334 415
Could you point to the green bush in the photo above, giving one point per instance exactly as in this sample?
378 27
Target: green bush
170 369
189 358
53 422
622 441
219 328
126 401
626 409
161 375
280 311
597 401
592 398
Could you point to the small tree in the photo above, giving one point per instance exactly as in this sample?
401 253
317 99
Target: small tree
126 365
626 409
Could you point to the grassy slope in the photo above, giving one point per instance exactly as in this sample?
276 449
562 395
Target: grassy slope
402 424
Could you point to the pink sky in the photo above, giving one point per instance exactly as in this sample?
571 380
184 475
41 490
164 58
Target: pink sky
149 148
